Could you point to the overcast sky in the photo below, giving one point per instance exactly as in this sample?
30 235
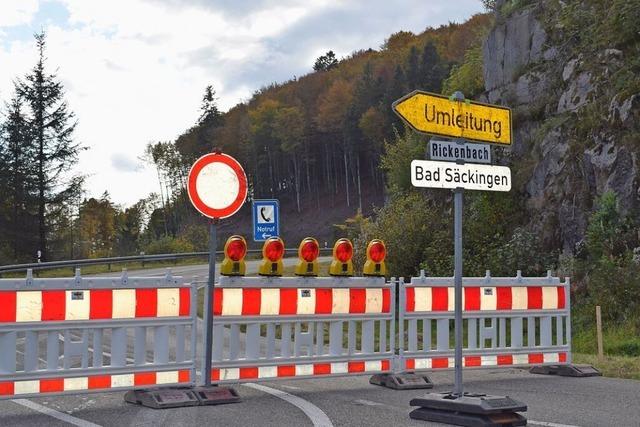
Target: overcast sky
135 70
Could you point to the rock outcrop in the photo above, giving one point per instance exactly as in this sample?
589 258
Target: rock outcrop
572 127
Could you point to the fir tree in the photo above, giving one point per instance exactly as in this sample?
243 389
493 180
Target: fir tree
209 113
51 127
325 62
413 69
431 69
17 191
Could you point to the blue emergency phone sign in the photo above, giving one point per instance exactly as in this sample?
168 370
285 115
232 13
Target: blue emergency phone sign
266 219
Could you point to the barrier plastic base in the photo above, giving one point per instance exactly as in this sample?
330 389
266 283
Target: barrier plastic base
566 370
213 395
469 410
163 398
408 381
470 420
182 397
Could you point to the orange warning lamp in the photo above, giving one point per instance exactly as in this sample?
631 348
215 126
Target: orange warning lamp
342 254
308 252
272 253
234 252
376 253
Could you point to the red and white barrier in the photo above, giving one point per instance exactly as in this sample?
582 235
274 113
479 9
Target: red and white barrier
476 298
300 370
82 335
94 304
484 361
300 301
95 382
292 327
508 321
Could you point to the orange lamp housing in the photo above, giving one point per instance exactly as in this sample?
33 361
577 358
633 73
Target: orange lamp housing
272 253
342 254
308 252
376 253
235 249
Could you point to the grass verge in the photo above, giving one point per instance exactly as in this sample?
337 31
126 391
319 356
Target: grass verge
612 366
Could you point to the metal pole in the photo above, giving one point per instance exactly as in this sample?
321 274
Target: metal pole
457 275
208 304
457 231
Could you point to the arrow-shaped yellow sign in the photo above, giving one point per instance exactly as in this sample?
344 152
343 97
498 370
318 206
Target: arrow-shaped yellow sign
438 115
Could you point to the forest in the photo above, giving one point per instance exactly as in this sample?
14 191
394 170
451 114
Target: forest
312 141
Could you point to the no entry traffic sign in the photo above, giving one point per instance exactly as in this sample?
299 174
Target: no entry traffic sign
217 188
217 185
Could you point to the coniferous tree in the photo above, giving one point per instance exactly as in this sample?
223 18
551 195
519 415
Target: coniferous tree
210 115
432 70
325 62
17 189
413 69
394 91
51 127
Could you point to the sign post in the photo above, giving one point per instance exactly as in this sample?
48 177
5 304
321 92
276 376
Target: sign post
208 302
462 120
457 243
217 187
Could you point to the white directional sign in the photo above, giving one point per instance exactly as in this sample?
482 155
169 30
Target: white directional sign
451 151
430 174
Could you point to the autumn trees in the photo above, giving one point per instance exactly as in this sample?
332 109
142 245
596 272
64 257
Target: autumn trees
320 137
313 142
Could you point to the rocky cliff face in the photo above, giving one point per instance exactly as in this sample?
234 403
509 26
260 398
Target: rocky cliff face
576 121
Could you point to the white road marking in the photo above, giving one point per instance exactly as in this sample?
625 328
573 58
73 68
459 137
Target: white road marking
315 414
290 387
546 424
55 414
368 402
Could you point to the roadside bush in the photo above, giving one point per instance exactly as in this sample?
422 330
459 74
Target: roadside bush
168 245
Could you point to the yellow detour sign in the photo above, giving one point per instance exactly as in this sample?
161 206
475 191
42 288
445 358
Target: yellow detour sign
438 115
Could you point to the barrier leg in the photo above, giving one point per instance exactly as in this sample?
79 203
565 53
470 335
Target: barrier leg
403 380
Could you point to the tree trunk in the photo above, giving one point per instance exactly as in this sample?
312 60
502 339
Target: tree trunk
359 187
271 183
296 180
308 173
164 207
346 176
335 173
42 235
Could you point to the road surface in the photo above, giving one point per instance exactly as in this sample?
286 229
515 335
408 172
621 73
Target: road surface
552 401
201 271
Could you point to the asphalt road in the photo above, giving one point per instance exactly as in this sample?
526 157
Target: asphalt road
552 401
200 272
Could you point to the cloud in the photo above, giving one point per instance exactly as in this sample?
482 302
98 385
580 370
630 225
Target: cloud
17 12
122 162
235 9
132 81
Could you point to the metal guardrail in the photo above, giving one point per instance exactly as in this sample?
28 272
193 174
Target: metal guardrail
74 263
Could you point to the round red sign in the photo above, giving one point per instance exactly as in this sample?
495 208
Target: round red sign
217 185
